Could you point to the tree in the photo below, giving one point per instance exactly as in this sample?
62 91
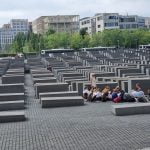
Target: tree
83 32
86 41
32 42
52 41
50 31
76 41
96 40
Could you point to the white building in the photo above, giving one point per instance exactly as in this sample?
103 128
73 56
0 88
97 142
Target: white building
147 22
108 21
100 22
9 31
88 24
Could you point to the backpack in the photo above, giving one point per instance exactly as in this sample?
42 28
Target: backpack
142 99
128 98
117 99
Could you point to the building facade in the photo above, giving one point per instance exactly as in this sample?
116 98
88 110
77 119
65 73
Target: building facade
9 31
100 22
147 22
6 36
89 24
59 23
106 21
38 25
109 21
131 22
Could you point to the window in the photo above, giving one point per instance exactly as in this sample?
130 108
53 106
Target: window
127 19
121 27
113 17
128 26
99 18
99 26
88 21
134 26
112 24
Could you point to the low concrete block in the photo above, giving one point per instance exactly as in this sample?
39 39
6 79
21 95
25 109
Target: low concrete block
12 88
48 102
44 80
131 109
50 87
12 96
11 105
13 79
58 94
12 116
42 75
15 71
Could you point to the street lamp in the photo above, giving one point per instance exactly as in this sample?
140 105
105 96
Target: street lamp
39 47
118 43
136 40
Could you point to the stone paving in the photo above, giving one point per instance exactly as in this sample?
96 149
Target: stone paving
89 127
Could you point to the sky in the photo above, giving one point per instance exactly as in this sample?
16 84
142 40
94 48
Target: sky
32 9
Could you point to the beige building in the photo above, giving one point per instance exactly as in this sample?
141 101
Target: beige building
59 23
38 25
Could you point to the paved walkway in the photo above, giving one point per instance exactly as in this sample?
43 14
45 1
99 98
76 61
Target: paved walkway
89 127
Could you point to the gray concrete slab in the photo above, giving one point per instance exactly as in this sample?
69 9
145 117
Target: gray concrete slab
144 82
50 87
43 75
12 79
44 80
12 116
11 105
131 109
12 96
12 88
59 94
48 102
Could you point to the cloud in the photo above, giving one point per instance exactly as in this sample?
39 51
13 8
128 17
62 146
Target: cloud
32 9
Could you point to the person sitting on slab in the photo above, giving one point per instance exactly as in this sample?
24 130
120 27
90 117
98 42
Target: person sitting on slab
138 94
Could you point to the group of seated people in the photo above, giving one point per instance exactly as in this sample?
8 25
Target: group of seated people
117 95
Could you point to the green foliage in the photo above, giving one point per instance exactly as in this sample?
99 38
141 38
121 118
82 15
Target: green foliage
50 31
123 38
83 32
86 41
76 41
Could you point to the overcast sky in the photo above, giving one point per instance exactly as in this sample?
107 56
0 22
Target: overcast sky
31 9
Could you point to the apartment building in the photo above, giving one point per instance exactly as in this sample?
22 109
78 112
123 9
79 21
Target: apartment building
6 36
59 23
106 21
131 22
89 24
147 22
109 21
100 22
10 30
